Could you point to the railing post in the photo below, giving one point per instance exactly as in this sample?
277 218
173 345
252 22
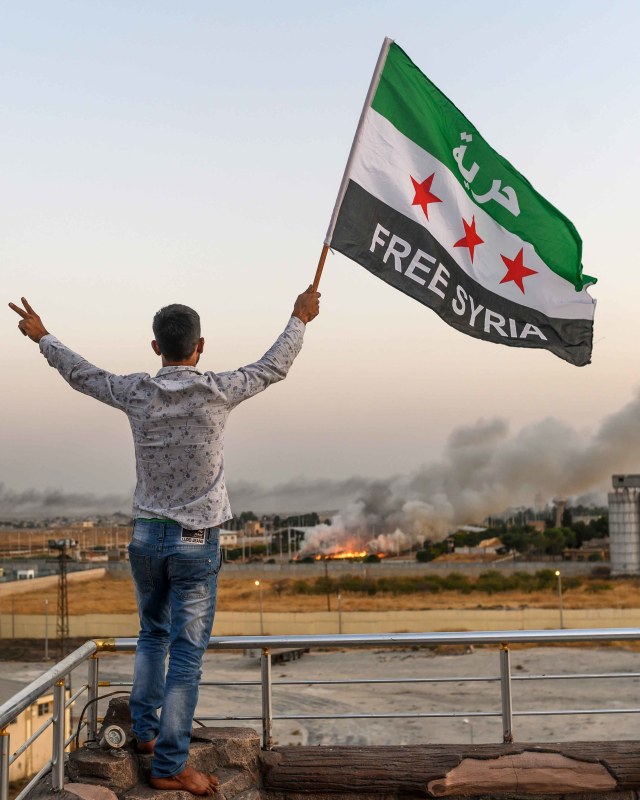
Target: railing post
92 695
505 692
267 711
5 752
59 736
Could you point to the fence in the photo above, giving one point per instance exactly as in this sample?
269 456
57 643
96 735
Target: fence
89 653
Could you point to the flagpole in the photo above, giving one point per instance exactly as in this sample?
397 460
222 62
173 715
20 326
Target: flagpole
375 80
320 267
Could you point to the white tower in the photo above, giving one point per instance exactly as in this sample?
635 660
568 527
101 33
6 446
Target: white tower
624 525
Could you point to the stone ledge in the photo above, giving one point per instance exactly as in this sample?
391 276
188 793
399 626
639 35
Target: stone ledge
234 747
88 791
118 772
144 792
567 771
233 754
625 795
588 769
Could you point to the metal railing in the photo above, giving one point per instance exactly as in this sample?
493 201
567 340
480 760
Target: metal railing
51 681
54 681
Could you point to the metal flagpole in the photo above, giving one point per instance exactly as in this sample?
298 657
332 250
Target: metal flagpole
375 80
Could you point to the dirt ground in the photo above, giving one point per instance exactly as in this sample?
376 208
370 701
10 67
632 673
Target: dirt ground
240 594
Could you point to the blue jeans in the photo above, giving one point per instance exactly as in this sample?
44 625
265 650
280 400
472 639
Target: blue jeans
175 575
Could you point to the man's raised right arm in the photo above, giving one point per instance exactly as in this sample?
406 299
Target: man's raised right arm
77 371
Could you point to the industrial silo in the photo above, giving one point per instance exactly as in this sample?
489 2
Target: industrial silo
624 525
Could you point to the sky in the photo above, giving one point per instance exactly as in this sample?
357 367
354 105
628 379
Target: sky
156 152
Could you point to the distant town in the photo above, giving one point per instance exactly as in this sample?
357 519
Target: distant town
29 547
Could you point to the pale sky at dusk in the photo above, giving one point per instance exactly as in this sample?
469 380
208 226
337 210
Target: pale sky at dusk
157 152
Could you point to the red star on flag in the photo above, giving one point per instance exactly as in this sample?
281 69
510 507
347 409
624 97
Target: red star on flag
470 238
516 270
424 195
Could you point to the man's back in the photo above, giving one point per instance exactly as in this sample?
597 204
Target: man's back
178 419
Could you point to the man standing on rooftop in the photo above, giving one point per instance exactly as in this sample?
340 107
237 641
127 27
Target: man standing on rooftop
177 419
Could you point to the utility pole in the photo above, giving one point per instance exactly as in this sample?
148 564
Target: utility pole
62 620
326 576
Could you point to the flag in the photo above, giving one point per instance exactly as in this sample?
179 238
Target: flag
430 208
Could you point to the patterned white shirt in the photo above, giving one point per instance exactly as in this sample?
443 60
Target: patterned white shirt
178 420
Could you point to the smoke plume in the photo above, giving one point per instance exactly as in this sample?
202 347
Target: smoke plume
484 470
34 503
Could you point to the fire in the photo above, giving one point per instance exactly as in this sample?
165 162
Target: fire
344 554
347 554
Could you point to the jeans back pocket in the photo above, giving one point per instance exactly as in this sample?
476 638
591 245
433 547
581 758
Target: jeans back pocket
141 571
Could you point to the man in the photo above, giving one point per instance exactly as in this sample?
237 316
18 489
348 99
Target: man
177 419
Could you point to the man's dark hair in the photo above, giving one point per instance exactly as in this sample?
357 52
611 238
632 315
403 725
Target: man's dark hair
177 330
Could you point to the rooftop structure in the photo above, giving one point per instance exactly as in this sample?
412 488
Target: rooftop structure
624 524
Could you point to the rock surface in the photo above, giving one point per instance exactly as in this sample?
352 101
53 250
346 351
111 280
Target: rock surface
88 791
98 773
528 772
234 747
117 769
588 769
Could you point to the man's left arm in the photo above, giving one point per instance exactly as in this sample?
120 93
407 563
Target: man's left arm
76 370
274 365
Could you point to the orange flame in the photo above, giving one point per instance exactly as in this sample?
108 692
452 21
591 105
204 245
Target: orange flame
344 554
348 554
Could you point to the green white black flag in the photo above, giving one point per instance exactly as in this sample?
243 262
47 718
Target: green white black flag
431 209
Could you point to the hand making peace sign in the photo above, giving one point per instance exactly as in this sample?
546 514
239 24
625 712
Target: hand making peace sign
30 324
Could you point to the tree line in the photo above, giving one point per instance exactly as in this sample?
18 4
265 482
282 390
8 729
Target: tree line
525 539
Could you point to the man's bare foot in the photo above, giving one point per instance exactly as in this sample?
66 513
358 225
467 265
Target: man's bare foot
146 748
190 780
